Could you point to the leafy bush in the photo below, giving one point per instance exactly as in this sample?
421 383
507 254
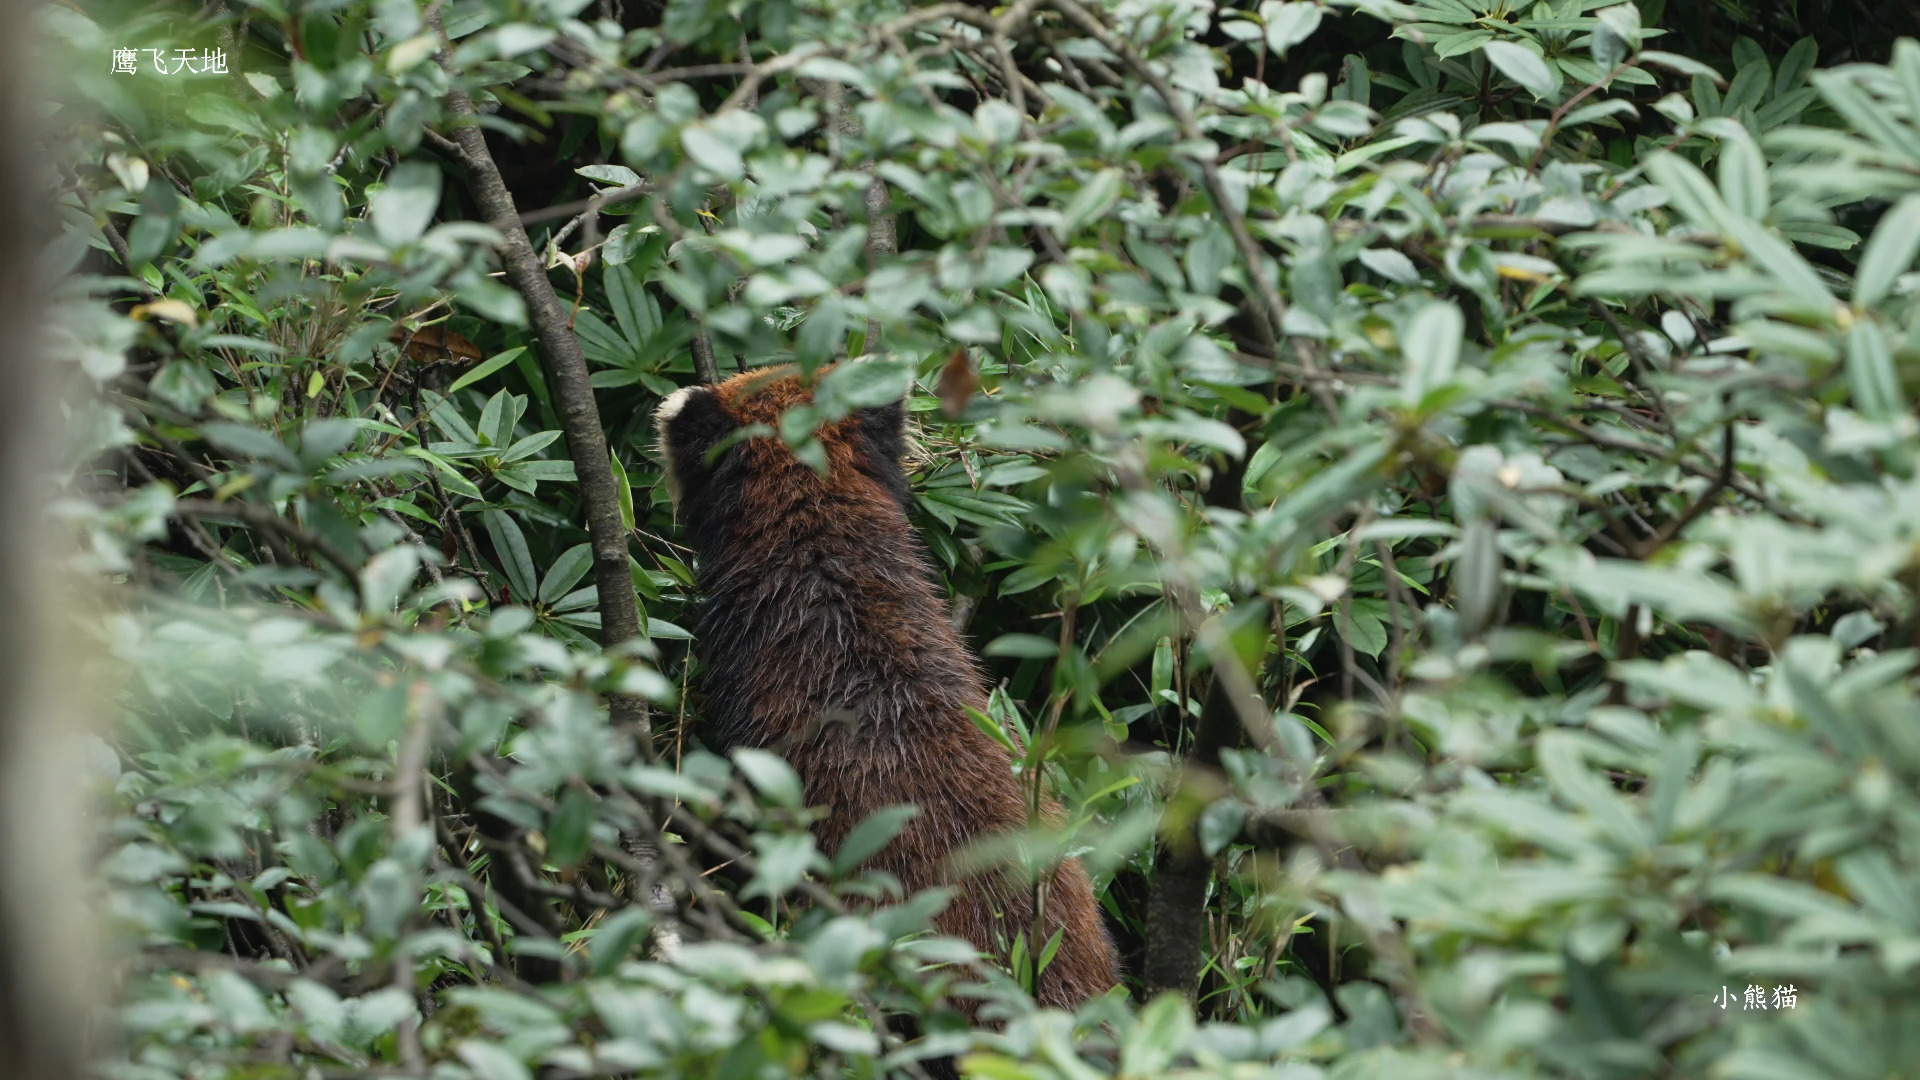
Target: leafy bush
1434 480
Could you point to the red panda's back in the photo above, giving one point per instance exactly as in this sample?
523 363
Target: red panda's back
824 637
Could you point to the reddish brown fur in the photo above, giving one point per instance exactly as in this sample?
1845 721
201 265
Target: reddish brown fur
825 638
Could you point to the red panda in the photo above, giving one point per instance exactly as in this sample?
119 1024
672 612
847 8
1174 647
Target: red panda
823 636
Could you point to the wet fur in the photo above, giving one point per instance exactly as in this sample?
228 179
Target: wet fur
823 636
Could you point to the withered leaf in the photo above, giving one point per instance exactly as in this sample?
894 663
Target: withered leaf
957 384
170 310
436 345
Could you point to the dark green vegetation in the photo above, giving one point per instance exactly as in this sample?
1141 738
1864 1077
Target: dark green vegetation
1434 482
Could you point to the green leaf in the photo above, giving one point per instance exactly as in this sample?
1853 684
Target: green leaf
247 441
569 833
1682 595
1432 348
1518 136
1220 824
1865 116
1461 43
491 1061
513 39
1778 258
771 776
624 242
1870 373
1025 646
1775 896
385 578
1889 252
495 415
1689 188
1795 65
992 728
450 477
865 384
1524 66
719 143
1390 264
1881 886
617 937
842 945
1623 22
488 367
1569 776
784 860
1682 64
1162 672
1696 678
1051 950
713 153
617 175
511 547
531 445
1159 1035
1208 255
1906 69
1094 198
870 836
387 895
403 207
1289 24
1185 427
566 571
632 308
1476 574
1743 177
1362 629
625 489
183 384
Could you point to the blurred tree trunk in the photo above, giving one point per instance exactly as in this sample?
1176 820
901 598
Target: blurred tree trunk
43 927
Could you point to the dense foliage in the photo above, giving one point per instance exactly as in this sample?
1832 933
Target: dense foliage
1440 474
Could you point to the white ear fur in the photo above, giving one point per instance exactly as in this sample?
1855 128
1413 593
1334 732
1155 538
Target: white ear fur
662 416
671 407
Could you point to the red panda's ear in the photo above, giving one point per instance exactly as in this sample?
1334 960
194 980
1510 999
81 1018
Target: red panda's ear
885 429
689 422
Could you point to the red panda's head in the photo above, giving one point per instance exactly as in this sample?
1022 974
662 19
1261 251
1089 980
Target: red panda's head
714 475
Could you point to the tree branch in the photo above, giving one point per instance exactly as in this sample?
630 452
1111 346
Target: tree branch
566 367
259 517
593 204
1700 505
1177 899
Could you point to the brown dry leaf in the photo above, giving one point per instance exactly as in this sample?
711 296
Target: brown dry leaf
436 344
176 311
957 384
